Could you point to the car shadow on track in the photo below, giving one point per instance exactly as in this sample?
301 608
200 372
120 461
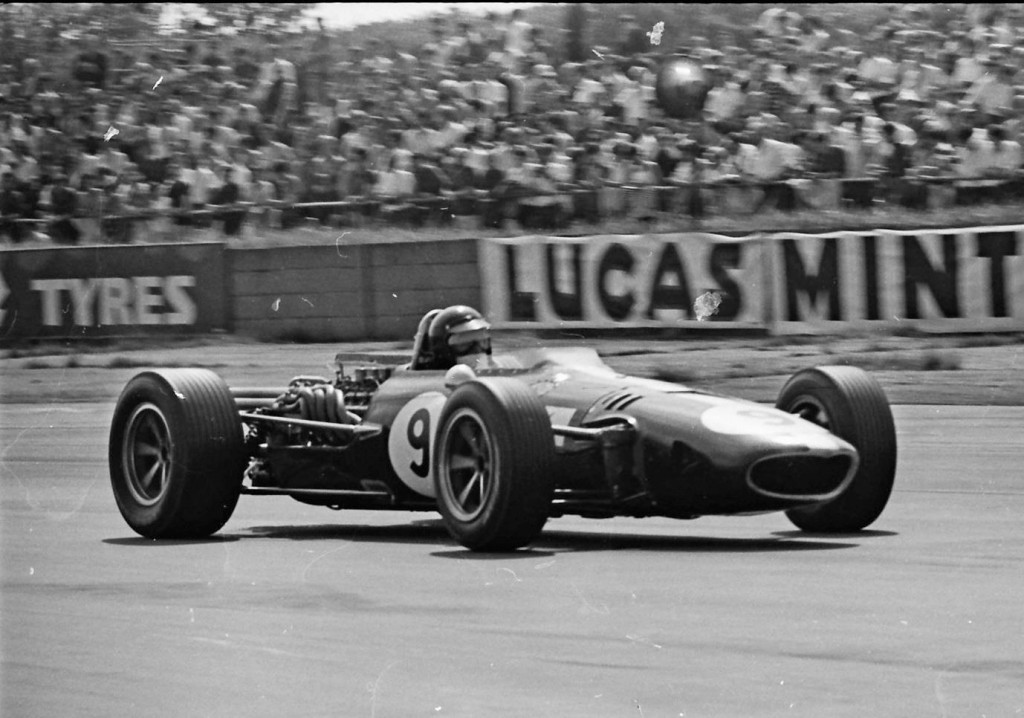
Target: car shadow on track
141 541
867 534
553 541
597 541
429 531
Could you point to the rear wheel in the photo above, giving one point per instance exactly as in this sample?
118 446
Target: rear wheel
176 453
851 404
494 462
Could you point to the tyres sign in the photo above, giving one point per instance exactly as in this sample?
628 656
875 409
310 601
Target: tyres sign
110 291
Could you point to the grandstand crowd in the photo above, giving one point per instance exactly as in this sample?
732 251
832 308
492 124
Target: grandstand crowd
495 121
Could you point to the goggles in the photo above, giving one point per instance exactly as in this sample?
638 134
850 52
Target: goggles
476 341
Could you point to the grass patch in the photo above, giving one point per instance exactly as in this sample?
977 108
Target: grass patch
108 345
924 360
928 360
676 375
297 336
988 340
123 362
907 330
635 352
787 340
935 360
74 361
71 361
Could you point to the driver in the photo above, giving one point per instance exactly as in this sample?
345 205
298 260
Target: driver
451 336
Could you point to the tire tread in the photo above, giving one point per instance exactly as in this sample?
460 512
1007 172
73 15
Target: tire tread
208 452
522 428
866 422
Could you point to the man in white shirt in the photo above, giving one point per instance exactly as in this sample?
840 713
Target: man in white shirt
205 182
226 137
1014 124
968 68
517 35
27 167
1002 157
589 87
502 156
631 99
770 163
894 114
771 158
736 155
396 182
452 132
241 173
646 141
490 88
112 158
994 27
993 91
857 146
421 139
877 68
725 99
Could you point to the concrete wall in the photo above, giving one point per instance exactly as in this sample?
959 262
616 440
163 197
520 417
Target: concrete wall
348 292
968 279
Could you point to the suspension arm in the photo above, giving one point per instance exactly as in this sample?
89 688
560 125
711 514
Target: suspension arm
358 431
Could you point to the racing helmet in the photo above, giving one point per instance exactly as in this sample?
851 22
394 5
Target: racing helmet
421 356
455 332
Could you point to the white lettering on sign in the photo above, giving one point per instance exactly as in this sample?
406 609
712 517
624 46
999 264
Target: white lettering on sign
113 301
179 300
50 299
114 307
83 293
146 299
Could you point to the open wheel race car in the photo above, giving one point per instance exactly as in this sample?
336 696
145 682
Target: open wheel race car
500 448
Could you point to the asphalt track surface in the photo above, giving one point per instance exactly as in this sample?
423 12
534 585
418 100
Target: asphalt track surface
299 611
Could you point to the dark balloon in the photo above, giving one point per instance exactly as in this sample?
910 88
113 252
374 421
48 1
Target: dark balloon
681 88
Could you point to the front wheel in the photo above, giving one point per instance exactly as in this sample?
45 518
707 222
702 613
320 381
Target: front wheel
493 465
176 453
851 404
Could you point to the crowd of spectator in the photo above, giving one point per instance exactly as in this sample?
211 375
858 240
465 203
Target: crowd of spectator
492 123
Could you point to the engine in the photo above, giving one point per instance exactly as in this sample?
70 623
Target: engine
318 399
300 438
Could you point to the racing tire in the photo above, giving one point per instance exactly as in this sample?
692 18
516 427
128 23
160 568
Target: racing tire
494 461
851 404
176 453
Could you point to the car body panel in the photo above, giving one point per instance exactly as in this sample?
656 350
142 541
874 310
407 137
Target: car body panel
694 452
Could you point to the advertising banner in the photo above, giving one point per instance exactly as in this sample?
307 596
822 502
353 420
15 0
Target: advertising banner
956 279
111 290
672 280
